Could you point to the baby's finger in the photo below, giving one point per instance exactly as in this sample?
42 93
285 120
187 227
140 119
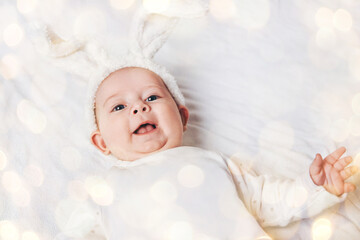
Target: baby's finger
348 172
333 157
349 187
338 183
343 162
316 165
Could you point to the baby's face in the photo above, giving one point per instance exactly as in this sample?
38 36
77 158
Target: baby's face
136 115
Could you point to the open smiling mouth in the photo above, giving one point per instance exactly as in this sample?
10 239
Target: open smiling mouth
145 128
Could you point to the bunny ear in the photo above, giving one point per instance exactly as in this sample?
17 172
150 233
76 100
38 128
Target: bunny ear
150 30
70 55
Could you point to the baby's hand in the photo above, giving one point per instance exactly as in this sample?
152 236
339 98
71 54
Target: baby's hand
331 172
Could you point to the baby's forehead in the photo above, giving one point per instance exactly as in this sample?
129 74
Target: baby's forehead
130 79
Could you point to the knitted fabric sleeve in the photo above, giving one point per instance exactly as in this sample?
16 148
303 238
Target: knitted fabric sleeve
277 201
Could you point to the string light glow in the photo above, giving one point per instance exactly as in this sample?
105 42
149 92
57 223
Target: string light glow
99 190
324 17
342 20
90 22
326 38
298 198
321 229
29 235
76 189
252 14
8 231
121 4
9 66
222 9
191 176
21 198
156 6
11 181
34 175
354 125
13 34
26 6
181 231
31 117
163 192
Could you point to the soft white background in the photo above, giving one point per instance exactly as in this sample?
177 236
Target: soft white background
268 83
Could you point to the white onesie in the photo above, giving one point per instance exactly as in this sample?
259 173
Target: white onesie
191 193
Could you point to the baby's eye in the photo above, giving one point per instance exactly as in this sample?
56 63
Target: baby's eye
118 107
152 98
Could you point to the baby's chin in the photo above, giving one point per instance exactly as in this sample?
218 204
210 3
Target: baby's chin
145 151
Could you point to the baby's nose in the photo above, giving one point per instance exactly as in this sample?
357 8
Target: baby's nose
142 108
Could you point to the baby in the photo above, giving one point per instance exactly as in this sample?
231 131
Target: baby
141 124
137 116
161 189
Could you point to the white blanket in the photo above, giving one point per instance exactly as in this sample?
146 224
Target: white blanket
271 85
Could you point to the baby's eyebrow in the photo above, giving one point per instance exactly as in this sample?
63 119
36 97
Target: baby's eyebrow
112 96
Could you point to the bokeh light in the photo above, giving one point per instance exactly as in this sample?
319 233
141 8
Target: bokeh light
29 235
222 9
202 236
2 205
21 198
3 160
71 158
321 229
181 231
71 214
327 103
31 117
264 238
297 199
90 22
77 190
355 104
342 20
252 14
354 125
163 192
191 176
8 231
121 4
326 38
324 17
13 34
339 130
99 190
9 66
11 181
51 10
156 6
354 63
26 6
34 175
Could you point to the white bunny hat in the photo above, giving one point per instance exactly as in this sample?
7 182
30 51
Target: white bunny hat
88 59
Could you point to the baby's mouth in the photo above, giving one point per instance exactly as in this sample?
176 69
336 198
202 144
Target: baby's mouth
145 128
